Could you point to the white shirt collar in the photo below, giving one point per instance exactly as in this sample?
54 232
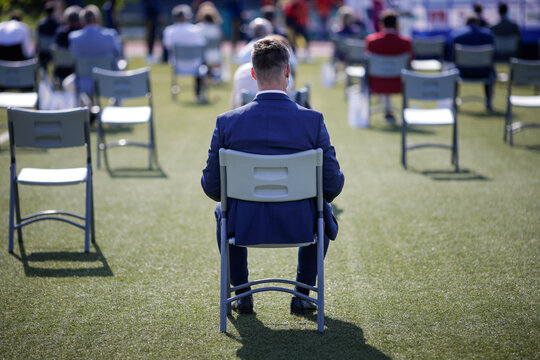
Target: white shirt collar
272 91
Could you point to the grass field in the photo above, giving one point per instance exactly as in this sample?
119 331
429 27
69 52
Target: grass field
428 263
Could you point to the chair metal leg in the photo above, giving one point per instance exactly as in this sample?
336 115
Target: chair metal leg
87 218
17 209
223 288
151 147
11 214
455 156
92 218
99 142
404 144
320 276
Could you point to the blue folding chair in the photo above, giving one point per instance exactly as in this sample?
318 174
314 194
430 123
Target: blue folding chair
271 178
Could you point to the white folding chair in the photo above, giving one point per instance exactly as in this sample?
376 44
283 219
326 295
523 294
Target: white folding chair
429 87
428 53
49 130
84 82
187 60
118 86
385 67
354 50
522 72
20 76
475 57
271 178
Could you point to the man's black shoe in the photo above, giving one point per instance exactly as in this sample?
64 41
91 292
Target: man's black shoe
243 305
300 306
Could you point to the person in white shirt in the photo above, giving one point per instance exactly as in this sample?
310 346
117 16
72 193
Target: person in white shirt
258 28
183 32
15 39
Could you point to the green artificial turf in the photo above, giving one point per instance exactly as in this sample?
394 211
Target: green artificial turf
428 263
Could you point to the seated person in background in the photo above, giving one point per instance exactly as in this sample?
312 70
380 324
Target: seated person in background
473 34
209 23
92 41
183 32
258 28
15 39
505 26
269 13
347 27
387 42
478 9
243 79
61 39
46 28
272 124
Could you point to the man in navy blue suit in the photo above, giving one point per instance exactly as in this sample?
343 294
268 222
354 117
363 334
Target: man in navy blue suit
272 124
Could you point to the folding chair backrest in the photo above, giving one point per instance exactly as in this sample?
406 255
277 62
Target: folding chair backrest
122 84
429 47
271 178
525 72
18 74
85 65
506 45
474 56
387 66
301 96
45 42
61 56
188 52
429 86
354 50
214 43
48 129
247 97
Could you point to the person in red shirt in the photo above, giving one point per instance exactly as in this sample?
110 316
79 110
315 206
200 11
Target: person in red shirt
296 15
387 42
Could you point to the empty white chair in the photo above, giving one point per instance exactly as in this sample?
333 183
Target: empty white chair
431 88
121 85
253 177
522 72
20 76
50 130
354 50
428 53
187 60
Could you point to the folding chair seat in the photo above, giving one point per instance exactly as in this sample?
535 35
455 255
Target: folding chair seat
270 178
475 58
50 130
22 77
429 88
187 60
118 86
522 72
384 67
428 53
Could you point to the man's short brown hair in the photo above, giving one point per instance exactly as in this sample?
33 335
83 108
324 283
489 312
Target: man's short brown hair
269 57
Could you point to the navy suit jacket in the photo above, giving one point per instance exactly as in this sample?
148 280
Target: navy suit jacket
272 124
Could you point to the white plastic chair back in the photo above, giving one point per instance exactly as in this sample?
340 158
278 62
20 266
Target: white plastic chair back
506 45
61 56
525 72
18 74
265 178
475 56
387 66
429 47
188 58
354 50
429 86
122 84
247 97
85 65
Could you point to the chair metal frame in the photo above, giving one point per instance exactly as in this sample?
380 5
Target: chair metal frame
47 130
121 85
522 72
19 75
430 87
252 177
187 53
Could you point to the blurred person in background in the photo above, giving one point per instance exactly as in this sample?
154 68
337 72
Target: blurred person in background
61 39
258 29
297 16
46 30
209 23
15 39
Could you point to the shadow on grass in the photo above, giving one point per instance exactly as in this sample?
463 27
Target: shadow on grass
136 173
483 114
535 148
336 210
451 175
340 339
63 256
396 128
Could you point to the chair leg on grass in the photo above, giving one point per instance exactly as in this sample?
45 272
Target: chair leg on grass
320 277
404 145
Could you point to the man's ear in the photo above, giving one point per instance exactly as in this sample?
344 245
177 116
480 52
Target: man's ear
253 74
288 71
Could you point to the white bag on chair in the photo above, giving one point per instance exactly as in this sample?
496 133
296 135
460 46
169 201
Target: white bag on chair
357 101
